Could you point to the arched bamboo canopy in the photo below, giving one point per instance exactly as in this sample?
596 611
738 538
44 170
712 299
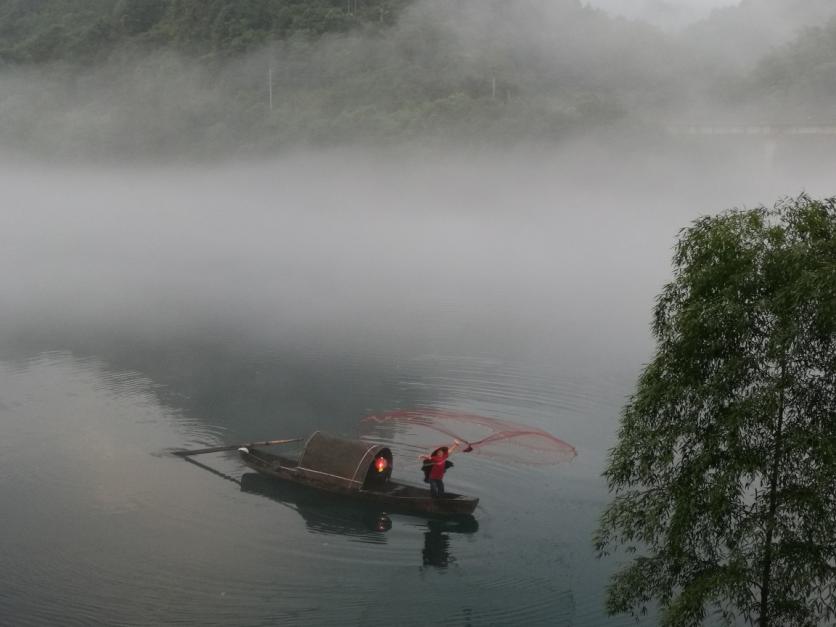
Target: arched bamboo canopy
340 461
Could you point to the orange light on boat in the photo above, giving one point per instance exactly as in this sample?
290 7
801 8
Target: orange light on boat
380 464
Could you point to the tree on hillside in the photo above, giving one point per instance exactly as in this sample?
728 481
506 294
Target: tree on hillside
797 79
724 473
138 16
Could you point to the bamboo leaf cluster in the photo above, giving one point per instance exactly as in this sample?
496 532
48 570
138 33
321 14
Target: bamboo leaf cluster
724 474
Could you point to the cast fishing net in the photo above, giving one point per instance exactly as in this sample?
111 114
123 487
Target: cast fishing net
481 435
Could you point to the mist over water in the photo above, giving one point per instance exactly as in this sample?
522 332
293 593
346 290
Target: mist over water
369 249
161 307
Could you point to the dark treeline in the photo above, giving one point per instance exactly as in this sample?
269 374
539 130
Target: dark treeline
83 30
212 76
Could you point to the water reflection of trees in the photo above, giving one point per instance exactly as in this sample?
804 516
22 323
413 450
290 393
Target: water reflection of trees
248 392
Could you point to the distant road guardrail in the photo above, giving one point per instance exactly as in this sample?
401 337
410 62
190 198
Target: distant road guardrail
753 129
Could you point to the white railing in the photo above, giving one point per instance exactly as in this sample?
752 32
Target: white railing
752 129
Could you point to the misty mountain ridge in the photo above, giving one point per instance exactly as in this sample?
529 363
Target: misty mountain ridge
671 15
742 35
182 76
781 20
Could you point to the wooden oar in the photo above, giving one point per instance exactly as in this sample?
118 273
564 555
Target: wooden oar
232 447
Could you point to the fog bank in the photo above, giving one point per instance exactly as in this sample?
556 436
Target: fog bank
538 251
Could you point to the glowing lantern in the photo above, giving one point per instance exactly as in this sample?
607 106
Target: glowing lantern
380 464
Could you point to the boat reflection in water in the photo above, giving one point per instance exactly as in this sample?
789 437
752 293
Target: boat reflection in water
321 513
324 513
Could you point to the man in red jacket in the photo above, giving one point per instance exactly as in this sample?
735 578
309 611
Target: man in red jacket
438 464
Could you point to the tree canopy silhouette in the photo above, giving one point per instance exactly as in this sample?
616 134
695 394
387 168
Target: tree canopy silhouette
724 473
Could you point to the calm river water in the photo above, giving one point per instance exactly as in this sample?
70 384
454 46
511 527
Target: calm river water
102 526
188 312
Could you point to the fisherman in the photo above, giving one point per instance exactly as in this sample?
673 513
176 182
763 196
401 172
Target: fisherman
435 465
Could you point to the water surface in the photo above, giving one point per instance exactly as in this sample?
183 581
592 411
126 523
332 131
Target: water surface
161 310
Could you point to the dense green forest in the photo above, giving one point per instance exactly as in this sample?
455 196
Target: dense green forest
206 76
85 30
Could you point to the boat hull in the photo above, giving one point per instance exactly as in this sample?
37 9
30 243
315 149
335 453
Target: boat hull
393 496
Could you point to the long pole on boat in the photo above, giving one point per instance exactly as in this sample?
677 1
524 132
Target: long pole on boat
231 447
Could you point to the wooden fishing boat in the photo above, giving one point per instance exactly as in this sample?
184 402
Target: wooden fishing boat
355 469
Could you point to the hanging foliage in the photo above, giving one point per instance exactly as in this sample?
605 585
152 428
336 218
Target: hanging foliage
724 474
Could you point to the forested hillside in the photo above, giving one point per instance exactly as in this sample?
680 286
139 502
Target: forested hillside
740 35
214 76
800 77
82 30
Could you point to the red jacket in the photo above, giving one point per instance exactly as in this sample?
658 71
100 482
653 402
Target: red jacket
439 466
